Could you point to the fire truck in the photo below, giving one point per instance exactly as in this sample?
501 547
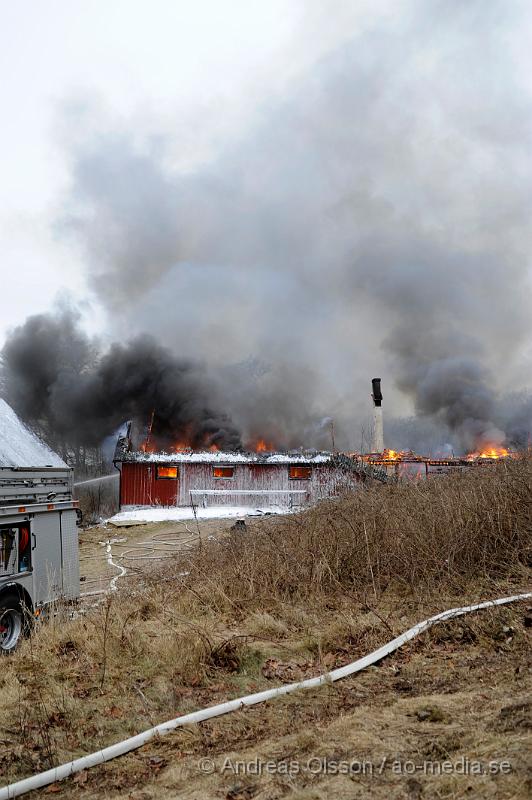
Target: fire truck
39 562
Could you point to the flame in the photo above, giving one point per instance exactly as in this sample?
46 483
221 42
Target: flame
389 455
147 447
491 451
180 447
262 446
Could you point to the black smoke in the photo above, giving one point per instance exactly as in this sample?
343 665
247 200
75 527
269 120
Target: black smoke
372 222
58 379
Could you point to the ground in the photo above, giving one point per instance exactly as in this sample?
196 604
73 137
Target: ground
458 694
229 612
137 548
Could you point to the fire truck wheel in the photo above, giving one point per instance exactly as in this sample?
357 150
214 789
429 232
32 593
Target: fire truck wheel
11 623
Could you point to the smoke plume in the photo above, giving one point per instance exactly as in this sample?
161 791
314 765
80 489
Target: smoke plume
57 377
372 222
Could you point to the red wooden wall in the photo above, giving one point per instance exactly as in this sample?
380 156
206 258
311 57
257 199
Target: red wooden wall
139 486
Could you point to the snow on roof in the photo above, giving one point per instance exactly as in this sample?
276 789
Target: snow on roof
218 457
20 447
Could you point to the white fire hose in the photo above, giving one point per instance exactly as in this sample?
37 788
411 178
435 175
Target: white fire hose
134 742
101 479
157 547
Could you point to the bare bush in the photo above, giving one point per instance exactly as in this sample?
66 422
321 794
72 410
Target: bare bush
423 535
97 501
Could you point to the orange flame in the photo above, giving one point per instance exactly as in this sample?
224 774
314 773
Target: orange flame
180 447
491 451
147 447
262 446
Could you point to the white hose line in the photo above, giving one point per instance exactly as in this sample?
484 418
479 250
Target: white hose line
98 480
154 549
121 570
134 742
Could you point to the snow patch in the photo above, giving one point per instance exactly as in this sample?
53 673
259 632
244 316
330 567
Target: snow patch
176 514
20 447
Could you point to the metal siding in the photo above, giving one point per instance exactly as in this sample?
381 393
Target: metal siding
23 579
34 485
46 556
69 536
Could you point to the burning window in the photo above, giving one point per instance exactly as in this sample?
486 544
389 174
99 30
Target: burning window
223 472
167 472
300 473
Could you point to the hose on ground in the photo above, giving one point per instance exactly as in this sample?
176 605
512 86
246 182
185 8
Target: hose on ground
134 742
158 546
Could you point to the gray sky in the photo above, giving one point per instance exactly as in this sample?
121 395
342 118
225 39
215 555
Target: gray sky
199 71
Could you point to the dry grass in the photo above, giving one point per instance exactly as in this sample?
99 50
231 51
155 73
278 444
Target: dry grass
97 500
444 532
285 599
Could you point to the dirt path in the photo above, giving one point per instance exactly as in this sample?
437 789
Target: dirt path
111 556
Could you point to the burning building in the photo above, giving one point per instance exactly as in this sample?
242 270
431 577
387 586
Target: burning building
153 473
406 464
186 477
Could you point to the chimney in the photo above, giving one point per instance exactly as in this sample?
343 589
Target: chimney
377 445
